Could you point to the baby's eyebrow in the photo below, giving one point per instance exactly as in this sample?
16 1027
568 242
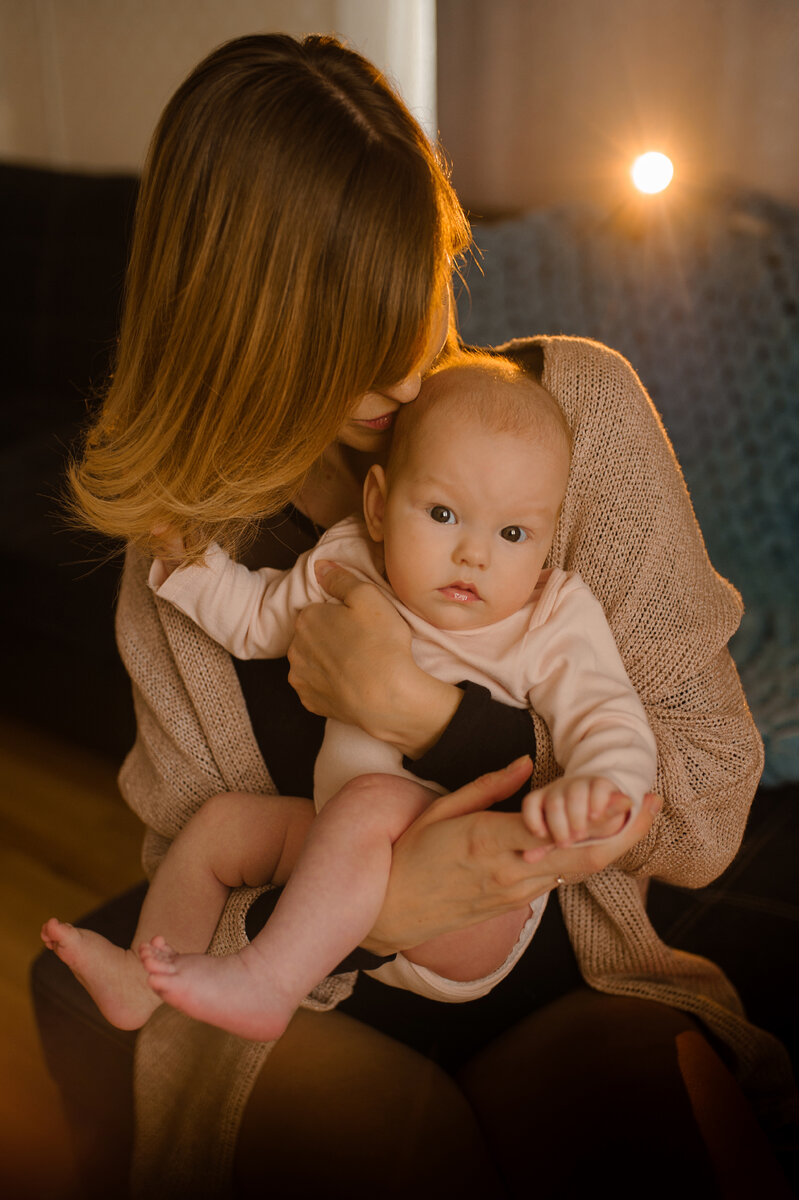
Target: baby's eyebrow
429 481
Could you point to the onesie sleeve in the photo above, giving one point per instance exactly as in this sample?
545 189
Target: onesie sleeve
582 691
484 735
250 613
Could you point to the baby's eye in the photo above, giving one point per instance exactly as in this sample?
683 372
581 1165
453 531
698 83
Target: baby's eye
442 514
513 533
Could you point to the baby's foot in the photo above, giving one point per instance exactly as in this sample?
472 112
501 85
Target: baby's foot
113 977
234 993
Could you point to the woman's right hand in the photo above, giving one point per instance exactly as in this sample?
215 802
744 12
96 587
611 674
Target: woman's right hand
458 865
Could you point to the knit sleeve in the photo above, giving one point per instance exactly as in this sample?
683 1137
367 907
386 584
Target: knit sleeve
628 527
193 737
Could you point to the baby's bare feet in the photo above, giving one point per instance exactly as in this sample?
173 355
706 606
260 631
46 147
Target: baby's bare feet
113 977
235 993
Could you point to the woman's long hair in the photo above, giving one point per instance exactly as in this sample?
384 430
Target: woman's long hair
294 233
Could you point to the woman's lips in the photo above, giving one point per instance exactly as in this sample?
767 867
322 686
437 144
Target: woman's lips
462 593
378 423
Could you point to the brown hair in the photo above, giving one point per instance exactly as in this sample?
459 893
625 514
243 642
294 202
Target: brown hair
293 234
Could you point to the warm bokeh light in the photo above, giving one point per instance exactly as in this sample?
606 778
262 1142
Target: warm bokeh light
652 172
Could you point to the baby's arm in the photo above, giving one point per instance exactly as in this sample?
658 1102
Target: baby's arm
600 733
251 613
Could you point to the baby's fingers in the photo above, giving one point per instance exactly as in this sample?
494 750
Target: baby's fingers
533 814
558 814
602 794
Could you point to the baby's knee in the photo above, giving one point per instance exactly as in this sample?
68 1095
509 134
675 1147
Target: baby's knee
380 798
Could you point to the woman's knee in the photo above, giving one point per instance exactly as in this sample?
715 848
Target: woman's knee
598 1078
343 1108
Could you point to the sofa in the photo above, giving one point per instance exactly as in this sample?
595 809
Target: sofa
65 241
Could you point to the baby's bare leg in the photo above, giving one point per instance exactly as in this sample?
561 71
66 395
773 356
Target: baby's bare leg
473 952
234 839
333 897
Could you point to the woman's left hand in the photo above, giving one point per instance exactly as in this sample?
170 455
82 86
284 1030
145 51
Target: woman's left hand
352 661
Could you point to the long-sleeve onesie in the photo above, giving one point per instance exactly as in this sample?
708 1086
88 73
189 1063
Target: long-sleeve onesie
556 656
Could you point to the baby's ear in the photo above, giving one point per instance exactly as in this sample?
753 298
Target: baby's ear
374 501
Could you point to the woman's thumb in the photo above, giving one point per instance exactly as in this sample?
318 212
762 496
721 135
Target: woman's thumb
481 793
336 580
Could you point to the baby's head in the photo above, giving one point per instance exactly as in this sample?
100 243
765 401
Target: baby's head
467 505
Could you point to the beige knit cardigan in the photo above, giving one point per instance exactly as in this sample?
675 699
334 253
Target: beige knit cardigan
628 527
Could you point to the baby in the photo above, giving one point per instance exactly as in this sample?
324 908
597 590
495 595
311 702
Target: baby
455 532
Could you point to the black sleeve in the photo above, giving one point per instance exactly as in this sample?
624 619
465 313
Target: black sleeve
484 735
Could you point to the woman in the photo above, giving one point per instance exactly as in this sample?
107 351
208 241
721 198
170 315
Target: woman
289 285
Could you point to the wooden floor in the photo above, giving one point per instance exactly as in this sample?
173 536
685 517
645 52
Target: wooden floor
67 842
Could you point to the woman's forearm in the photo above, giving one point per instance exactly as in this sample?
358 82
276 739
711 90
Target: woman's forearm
419 710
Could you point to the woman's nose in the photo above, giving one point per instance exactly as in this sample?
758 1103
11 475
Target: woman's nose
406 390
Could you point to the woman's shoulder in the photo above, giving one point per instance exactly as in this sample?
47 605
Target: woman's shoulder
590 369
586 377
553 349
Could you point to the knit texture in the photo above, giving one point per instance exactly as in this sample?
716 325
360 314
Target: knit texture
627 526
702 296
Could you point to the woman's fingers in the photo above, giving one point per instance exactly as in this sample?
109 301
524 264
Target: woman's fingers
337 581
483 792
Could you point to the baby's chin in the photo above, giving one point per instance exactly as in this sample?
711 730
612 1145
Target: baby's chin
452 616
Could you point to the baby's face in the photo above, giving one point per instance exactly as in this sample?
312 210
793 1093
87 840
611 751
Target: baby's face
468 520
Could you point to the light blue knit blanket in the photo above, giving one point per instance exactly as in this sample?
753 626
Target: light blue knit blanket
705 304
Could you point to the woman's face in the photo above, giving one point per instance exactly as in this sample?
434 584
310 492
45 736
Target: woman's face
368 427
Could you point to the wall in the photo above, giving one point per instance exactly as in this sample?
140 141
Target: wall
548 100
83 81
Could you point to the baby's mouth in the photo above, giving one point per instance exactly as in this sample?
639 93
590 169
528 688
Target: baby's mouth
461 593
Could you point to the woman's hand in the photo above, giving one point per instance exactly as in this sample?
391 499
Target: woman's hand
458 865
352 661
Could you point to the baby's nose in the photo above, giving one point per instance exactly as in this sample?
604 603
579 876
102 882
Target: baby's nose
472 552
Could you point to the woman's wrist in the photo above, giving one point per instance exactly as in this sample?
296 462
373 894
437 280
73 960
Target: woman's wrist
420 709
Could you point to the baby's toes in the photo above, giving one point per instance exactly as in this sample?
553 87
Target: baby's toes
158 955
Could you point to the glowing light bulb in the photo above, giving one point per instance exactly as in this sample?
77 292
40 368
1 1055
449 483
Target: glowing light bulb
652 172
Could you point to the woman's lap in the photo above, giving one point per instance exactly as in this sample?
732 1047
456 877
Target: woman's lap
573 1086
589 1090
342 1110
586 1090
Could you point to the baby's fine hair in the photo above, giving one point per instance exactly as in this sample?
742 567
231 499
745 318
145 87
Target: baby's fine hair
492 389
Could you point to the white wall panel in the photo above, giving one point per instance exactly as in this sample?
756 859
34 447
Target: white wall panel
82 82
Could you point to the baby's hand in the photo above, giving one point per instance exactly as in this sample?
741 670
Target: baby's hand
575 808
170 548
